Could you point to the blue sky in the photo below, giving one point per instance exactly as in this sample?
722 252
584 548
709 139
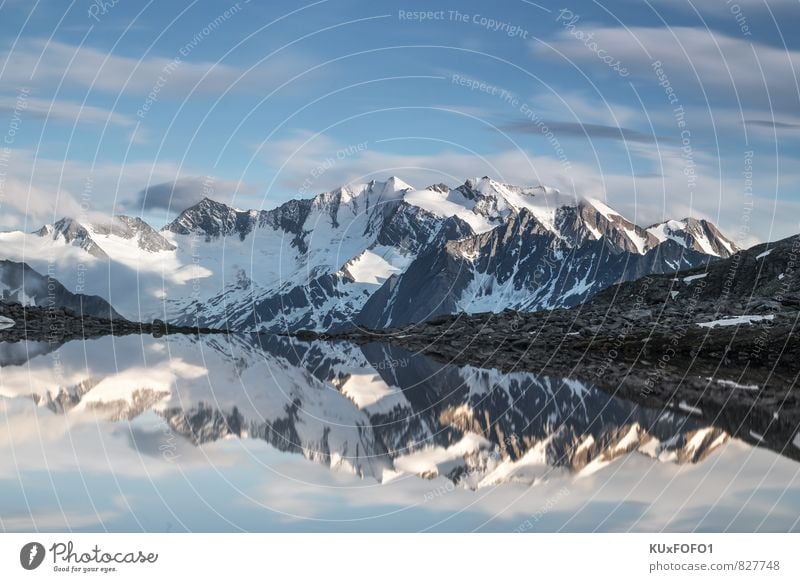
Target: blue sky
664 109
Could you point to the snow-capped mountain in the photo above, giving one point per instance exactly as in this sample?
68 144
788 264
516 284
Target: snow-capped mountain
375 254
374 410
123 260
383 254
71 232
694 234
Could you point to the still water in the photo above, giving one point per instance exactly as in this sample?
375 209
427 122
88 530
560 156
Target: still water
262 433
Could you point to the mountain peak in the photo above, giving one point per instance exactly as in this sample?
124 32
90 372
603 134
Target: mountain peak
697 234
212 219
72 232
397 184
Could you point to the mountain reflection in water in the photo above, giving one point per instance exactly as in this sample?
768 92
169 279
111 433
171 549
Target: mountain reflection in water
381 418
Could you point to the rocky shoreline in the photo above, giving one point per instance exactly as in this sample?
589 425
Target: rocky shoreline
744 382
58 325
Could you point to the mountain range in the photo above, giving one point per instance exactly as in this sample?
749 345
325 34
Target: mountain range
376 255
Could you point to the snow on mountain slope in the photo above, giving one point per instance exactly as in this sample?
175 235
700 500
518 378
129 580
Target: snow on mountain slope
362 253
698 235
356 248
377 264
523 265
445 202
499 201
124 261
317 267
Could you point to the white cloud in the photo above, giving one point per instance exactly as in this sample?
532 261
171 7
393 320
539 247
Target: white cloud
42 190
66 111
693 59
572 105
38 62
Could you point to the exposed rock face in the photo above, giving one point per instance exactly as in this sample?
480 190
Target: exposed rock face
215 219
698 235
378 254
128 227
71 232
383 254
524 266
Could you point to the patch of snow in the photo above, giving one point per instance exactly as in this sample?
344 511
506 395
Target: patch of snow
718 441
370 391
375 265
530 468
698 438
674 294
736 320
122 386
727 245
389 475
691 278
6 322
764 254
738 386
668 456
593 467
428 459
581 287
587 442
638 240
602 208
595 233
630 438
650 448
689 408
449 204
542 202
666 231
705 245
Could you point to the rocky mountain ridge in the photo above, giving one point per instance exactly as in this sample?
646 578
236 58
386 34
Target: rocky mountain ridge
378 254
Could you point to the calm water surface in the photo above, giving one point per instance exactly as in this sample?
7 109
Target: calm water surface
270 434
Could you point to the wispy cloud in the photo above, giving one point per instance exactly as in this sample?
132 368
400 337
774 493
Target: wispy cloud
176 195
696 60
584 130
771 124
38 190
38 62
745 7
67 111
